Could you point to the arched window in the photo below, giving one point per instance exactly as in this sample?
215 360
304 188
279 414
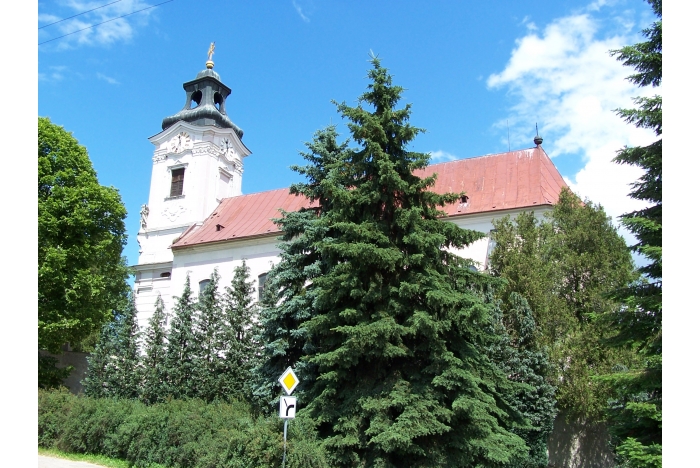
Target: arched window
218 101
196 99
203 285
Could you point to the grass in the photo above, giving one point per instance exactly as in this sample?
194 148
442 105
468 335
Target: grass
96 459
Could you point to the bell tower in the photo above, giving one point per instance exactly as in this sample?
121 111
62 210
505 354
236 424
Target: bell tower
197 162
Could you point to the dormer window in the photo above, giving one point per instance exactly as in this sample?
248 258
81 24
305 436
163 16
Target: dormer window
177 182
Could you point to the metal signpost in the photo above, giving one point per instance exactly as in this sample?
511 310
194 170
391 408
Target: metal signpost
288 404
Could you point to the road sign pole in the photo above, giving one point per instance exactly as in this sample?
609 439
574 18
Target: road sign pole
289 381
284 457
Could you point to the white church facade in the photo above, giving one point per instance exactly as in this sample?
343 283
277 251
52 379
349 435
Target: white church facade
197 219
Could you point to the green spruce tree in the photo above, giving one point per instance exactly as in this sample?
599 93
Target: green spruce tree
519 356
208 341
98 381
154 379
180 355
398 325
635 411
240 347
114 367
127 354
287 303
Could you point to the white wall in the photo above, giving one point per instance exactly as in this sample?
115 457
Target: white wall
261 254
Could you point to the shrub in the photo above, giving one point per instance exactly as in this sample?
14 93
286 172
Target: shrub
175 433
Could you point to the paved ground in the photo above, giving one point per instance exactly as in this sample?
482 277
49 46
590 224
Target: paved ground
51 462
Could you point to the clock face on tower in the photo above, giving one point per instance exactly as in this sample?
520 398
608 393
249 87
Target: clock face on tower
180 142
227 147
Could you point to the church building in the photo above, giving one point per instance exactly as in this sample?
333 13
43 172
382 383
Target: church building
197 219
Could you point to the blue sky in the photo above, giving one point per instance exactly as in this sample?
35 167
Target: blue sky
477 74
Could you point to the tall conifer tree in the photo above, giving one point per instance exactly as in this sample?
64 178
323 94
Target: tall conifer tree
635 413
208 340
114 368
128 357
519 356
180 355
398 326
240 349
154 345
98 381
287 304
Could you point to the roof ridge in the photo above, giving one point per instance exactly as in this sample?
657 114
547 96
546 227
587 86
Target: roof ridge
481 156
429 165
258 193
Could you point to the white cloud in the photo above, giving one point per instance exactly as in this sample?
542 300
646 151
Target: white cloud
598 4
114 30
300 10
47 18
441 156
55 73
563 78
108 79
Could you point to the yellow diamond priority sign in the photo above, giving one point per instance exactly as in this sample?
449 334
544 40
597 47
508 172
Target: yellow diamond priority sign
289 380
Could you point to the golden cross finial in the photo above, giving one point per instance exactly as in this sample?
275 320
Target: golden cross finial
210 63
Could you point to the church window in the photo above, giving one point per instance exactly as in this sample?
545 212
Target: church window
177 182
262 279
203 285
218 101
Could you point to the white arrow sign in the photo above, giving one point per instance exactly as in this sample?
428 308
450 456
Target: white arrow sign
288 407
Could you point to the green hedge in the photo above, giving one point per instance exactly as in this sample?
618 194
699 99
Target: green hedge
174 434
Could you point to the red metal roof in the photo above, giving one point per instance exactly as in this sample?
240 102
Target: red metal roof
516 179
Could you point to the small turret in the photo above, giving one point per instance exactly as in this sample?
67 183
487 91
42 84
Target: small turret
205 102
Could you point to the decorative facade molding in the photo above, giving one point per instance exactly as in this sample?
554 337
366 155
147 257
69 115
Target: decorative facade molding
206 148
177 165
160 155
171 213
226 172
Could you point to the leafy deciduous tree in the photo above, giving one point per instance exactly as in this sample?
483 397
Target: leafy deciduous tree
565 266
82 274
